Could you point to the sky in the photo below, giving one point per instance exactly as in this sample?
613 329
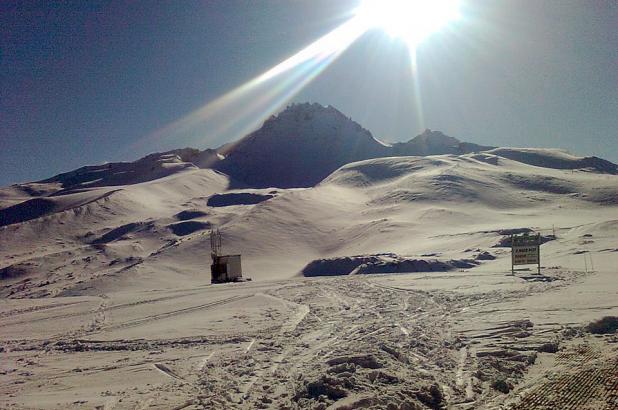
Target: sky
89 82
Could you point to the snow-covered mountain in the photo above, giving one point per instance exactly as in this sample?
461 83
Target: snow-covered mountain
299 147
306 142
86 228
435 143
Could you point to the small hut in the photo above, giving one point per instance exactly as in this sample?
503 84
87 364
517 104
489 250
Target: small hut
224 268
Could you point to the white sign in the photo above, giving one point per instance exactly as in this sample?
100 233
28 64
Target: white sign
526 250
525 255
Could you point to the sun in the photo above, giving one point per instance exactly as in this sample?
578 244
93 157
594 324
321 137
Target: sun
410 20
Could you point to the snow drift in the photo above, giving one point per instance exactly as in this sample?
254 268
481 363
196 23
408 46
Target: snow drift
380 263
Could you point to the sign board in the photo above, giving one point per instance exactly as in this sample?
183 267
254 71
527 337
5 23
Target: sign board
525 255
526 250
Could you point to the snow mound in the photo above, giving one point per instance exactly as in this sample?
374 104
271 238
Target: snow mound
382 170
470 178
397 180
543 183
17 193
148 168
555 158
380 263
122 231
40 207
486 158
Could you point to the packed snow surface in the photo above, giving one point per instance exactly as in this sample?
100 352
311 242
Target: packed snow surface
104 275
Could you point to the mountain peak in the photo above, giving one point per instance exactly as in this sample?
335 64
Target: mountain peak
298 113
435 138
299 147
305 142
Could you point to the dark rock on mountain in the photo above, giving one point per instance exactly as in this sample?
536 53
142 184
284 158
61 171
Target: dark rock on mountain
299 147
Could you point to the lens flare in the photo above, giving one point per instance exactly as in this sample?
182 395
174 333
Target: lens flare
410 20
243 109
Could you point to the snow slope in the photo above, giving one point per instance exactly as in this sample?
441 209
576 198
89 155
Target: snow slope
442 208
153 166
100 283
555 158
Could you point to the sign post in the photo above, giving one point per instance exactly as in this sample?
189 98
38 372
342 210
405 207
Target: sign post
526 250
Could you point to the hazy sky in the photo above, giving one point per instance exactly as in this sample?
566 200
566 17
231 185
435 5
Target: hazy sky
83 82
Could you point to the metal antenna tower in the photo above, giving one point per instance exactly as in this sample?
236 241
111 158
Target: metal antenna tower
215 242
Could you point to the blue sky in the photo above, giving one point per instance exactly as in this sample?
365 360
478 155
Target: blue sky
88 82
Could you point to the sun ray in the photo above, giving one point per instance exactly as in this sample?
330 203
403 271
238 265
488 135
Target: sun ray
417 90
410 20
245 107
